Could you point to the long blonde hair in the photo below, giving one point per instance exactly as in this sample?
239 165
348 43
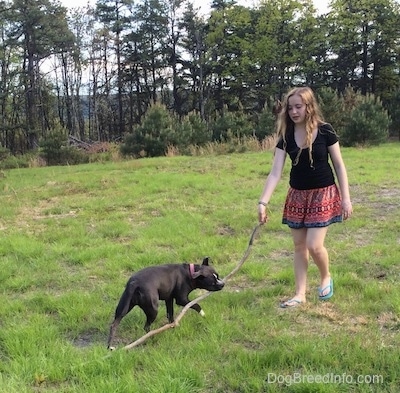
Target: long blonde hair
313 118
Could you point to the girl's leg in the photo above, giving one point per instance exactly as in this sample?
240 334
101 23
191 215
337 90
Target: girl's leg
301 257
315 245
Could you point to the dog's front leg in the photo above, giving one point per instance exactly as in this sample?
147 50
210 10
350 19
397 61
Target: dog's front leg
182 301
169 304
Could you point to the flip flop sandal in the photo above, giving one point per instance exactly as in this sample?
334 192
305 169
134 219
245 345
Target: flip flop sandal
291 303
329 294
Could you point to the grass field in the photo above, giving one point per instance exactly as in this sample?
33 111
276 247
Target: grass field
72 236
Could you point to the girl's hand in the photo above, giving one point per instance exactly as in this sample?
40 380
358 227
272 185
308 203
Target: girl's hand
347 209
262 214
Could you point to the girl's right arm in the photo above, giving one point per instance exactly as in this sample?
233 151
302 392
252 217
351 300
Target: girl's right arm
271 183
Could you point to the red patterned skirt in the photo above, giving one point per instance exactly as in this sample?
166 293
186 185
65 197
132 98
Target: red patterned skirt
315 208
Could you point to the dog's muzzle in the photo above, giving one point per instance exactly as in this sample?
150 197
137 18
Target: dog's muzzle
219 284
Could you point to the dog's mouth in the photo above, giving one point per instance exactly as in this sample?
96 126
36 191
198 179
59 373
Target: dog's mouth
219 285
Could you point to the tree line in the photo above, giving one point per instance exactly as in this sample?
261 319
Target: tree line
93 72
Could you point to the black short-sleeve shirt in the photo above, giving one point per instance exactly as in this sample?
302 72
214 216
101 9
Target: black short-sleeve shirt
303 175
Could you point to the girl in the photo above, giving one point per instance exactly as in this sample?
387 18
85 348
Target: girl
313 200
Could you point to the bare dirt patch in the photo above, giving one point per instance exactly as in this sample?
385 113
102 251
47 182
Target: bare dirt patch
85 339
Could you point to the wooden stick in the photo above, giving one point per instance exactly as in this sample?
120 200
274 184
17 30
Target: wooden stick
167 326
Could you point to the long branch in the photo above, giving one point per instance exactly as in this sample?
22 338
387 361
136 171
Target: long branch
167 326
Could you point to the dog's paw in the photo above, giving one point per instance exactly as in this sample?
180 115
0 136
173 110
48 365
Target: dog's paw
202 313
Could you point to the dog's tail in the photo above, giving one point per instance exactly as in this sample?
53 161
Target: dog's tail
128 300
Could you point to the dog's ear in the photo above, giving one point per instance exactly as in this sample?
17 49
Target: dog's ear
205 261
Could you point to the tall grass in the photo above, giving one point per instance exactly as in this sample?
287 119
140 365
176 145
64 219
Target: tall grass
71 236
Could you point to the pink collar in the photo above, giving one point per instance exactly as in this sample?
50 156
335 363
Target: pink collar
191 269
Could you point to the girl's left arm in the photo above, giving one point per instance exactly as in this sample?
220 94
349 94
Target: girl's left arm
341 174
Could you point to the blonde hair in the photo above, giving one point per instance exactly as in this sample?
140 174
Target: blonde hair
313 118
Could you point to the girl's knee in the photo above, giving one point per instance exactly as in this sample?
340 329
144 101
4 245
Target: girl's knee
300 247
316 250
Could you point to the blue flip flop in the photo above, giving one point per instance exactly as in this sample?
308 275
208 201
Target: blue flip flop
290 303
329 294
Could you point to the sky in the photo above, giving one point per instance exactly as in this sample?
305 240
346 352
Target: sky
320 5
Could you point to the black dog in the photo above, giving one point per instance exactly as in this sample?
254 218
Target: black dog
164 282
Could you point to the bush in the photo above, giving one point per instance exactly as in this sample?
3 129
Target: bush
12 162
332 107
231 125
394 112
266 124
104 152
192 130
4 153
153 136
55 150
368 123
51 147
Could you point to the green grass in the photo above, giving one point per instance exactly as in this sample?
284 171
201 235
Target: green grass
71 237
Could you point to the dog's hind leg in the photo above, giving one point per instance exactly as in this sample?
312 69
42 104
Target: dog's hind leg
113 328
150 308
151 316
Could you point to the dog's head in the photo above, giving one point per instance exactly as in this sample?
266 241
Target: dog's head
205 277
